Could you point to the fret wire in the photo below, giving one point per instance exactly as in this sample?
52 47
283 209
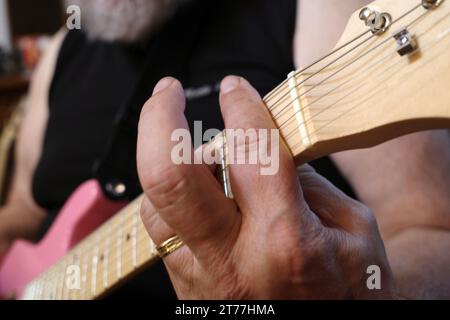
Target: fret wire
134 235
106 258
61 284
87 238
81 243
38 290
142 238
45 289
54 287
119 248
76 263
110 266
84 276
63 279
66 287
126 211
33 292
95 266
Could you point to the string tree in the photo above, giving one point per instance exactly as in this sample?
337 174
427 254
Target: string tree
406 42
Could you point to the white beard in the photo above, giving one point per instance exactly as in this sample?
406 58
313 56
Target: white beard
127 21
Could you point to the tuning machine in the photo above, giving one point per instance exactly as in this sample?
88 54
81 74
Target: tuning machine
378 22
431 4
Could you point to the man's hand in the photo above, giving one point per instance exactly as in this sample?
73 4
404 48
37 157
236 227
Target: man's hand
291 235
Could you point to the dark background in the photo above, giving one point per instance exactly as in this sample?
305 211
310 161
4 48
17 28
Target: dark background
35 16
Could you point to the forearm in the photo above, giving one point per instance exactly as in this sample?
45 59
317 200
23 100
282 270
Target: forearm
420 261
407 184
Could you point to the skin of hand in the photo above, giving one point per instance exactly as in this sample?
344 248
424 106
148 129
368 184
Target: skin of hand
292 235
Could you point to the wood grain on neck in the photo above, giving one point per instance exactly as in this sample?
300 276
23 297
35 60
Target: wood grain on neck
105 259
364 97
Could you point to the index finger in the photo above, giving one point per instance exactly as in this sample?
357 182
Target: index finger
186 196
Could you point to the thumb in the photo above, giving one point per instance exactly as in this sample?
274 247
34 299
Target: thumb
333 207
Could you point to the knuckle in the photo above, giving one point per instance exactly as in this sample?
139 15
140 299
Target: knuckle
366 217
301 250
164 186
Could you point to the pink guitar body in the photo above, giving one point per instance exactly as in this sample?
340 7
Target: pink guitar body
85 210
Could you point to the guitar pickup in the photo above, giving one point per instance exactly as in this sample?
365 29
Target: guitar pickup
406 42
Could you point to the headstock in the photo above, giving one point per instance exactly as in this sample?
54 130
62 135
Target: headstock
388 76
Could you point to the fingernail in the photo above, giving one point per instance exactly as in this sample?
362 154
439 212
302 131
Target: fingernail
229 84
162 85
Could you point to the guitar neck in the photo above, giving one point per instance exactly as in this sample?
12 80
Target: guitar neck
101 262
370 89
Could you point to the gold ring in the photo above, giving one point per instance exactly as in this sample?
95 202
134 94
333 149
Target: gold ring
169 246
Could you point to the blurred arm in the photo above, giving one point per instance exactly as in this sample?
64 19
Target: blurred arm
20 217
405 181
320 23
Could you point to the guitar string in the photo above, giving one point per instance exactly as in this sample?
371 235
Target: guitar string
272 93
386 40
339 71
334 61
285 96
288 107
392 72
323 109
327 108
63 263
146 237
287 137
370 96
55 271
313 118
